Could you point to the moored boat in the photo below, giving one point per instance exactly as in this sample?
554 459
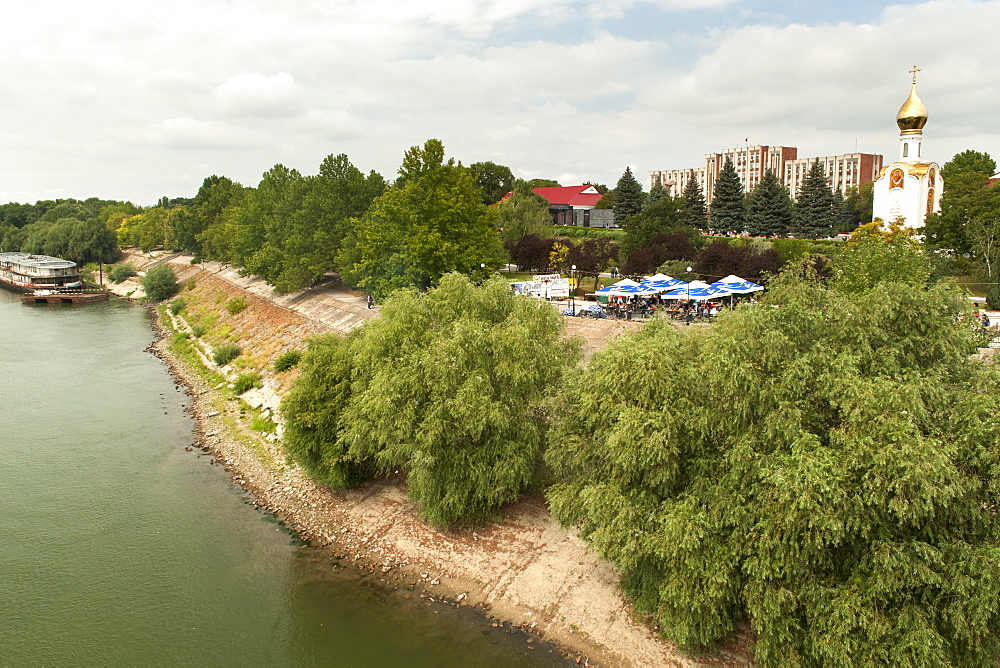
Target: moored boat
27 272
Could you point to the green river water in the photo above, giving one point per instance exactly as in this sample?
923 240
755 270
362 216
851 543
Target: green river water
118 547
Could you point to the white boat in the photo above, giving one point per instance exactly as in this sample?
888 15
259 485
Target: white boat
24 271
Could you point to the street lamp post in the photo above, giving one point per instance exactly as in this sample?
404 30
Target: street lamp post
690 316
572 290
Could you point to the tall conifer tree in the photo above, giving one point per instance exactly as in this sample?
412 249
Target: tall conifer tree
769 208
695 209
628 197
816 211
656 192
729 212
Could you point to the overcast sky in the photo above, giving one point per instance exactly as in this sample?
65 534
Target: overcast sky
136 100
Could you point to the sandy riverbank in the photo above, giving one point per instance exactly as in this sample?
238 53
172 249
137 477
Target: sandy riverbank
523 571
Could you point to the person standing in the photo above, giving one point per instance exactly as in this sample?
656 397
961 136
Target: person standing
371 302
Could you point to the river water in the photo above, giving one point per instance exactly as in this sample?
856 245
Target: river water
119 547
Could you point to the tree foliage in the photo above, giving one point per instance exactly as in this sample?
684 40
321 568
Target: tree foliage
826 470
656 193
695 209
494 180
523 213
966 197
769 208
530 252
433 224
664 217
447 386
754 262
729 214
874 256
628 198
160 283
816 211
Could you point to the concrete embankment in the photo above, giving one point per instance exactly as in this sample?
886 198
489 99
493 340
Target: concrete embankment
524 570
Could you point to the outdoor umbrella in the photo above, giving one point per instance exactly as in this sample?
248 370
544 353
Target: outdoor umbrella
629 290
663 284
737 285
699 293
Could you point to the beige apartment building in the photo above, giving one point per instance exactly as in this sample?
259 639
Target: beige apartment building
751 163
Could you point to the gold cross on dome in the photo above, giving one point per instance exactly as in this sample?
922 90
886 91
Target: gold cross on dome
914 73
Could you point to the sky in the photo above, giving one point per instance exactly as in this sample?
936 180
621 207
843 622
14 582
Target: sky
135 101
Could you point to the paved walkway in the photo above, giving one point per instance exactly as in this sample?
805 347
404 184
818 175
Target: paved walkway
338 310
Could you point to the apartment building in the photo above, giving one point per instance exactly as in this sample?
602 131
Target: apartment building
752 162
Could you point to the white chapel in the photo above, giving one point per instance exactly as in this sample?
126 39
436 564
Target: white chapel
911 187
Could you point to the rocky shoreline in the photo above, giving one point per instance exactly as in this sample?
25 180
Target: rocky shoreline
524 574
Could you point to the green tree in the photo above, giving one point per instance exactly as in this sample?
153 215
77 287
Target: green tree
412 235
729 213
160 283
493 180
543 183
664 217
523 213
338 195
656 193
207 230
268 233
628 197
856 209
447 385
969 161
826 471
153 228
695 209
419 160
815 210
769 208
983 233
965 197
874 256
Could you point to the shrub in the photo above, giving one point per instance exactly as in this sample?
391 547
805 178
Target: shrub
287 360
236 305
160 283
198 330
226 353
246 381
120 272
177 305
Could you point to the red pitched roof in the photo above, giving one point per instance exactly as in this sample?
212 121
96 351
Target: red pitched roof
583 195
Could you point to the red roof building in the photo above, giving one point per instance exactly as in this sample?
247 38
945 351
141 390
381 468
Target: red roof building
584 196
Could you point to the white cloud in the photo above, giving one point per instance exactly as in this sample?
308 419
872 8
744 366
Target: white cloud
129 100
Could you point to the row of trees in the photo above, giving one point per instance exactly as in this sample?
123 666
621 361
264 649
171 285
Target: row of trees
71 229
291 229
826 471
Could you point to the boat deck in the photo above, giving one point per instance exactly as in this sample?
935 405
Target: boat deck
64 298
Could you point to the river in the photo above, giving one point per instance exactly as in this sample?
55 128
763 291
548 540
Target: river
119 546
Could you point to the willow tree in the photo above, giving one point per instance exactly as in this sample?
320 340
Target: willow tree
448 386
826 471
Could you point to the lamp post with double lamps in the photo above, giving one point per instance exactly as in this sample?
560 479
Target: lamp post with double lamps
572 290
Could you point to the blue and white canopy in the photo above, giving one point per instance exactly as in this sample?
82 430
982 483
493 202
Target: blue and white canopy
697 290
737 285
626 288
662 283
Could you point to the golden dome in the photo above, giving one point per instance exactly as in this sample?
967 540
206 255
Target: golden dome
912 115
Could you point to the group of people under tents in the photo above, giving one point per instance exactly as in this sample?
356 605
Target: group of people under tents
628 298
